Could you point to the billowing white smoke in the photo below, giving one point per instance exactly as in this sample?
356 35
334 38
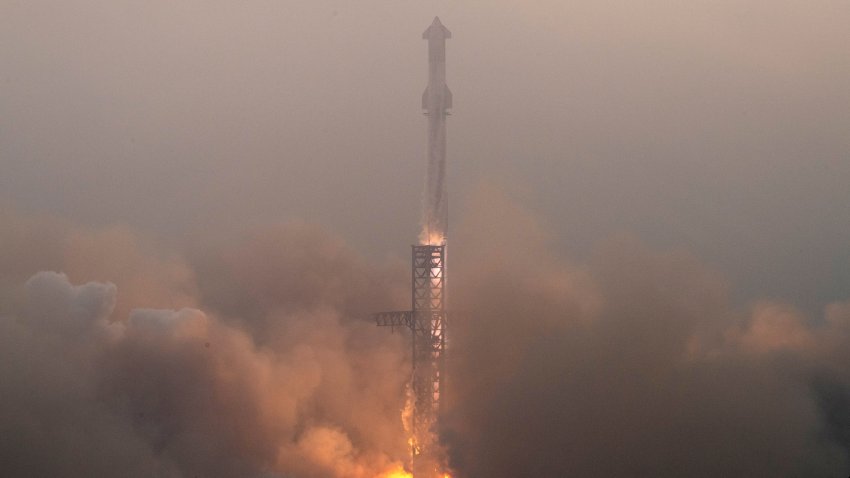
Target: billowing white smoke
634 364
178 393
259 360
308 389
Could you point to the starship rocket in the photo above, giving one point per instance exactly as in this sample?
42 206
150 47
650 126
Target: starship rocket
436 102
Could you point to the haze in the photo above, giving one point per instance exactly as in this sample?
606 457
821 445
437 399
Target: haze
720 127
201 202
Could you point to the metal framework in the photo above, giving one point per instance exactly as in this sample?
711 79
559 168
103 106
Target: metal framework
427 322
427 319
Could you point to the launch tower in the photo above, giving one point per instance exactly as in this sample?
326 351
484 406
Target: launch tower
427 319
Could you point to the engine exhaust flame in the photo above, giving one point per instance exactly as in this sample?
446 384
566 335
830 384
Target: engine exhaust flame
432 237
399 473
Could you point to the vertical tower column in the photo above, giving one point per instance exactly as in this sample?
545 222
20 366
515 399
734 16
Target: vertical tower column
427 320
429 309
429 343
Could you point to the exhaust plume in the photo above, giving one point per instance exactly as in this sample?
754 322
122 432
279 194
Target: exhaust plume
634 363
296 385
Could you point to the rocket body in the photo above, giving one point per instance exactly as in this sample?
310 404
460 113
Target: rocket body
436 102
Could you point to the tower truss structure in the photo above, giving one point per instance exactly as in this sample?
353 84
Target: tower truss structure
427 321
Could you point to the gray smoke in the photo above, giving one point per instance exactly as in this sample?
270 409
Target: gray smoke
635 364
258 359
298 384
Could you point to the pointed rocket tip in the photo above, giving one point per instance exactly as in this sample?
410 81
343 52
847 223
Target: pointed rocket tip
437 29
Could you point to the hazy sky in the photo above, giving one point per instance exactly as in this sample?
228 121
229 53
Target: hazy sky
720 127
203 201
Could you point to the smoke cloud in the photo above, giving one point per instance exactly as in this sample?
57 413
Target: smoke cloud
634 364
297 384
258 359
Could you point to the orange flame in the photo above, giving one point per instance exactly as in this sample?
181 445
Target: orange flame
400 473
432 238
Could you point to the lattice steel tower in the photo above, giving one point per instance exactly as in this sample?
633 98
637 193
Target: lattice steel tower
427 319
427 322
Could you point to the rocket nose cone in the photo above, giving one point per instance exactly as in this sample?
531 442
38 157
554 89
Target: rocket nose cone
437 30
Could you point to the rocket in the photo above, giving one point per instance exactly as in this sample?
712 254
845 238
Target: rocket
436 102
437 97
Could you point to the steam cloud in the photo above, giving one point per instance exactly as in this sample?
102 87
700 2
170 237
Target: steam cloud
258 360
633 365
271 379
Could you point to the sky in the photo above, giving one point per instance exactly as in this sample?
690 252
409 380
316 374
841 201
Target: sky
719 127
647 163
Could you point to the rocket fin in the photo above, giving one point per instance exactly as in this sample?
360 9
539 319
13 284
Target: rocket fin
447 98
425 98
